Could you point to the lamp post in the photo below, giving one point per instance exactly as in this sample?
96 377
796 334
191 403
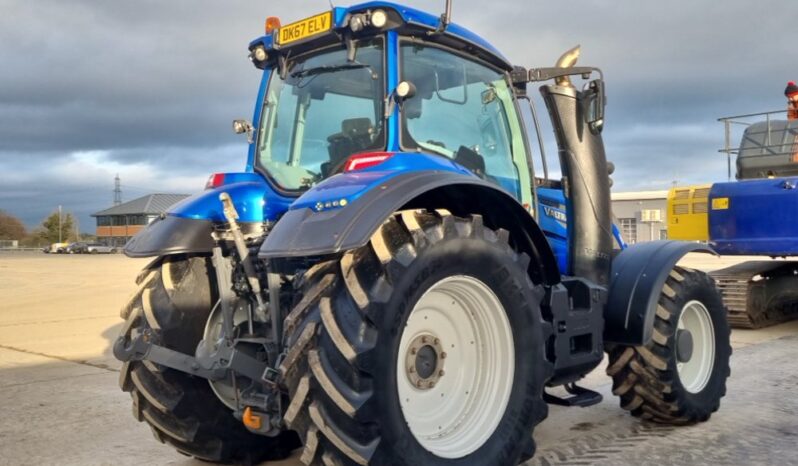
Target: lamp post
59 223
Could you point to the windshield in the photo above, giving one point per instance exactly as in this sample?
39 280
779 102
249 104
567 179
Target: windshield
325 110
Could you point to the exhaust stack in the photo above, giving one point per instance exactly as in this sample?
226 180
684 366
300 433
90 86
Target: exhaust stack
567 60
585 177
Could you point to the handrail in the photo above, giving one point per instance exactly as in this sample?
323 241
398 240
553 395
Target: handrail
772 112
730 120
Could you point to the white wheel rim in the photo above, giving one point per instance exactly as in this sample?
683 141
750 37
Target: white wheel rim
695 372
462 410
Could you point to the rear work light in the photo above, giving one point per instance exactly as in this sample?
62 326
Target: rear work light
365 160
215 180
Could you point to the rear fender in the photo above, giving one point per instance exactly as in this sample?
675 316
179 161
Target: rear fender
636 280
320 228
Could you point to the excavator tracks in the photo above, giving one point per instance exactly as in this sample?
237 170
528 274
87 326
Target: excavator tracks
759 293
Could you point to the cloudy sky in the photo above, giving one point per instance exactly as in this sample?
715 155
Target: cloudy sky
147 89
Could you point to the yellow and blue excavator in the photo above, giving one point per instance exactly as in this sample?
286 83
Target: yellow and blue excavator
756 215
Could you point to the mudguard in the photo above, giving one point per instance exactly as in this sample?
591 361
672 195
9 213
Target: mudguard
170 234
306 230
636 280
187 227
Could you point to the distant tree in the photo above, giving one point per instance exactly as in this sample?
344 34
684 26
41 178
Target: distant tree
35 239
11 227
50 228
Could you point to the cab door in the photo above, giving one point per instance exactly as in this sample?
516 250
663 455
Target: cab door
465 110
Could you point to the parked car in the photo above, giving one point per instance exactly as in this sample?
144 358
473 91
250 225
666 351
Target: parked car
57 248
77 248
97 248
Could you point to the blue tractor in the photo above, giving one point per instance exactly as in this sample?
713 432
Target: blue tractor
388 282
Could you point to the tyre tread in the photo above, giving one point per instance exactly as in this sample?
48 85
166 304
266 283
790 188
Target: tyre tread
328 372
641 375
181 410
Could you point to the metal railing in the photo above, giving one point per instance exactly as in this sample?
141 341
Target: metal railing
735 120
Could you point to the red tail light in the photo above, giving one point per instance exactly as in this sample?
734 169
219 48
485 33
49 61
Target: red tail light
215 180
365 160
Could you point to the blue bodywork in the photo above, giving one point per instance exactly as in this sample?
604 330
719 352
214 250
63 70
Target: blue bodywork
254 199
554 219
350 186
757 217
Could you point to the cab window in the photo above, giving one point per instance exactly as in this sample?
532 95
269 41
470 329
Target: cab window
325 109
463 110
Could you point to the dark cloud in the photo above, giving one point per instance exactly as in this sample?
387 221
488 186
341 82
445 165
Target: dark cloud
148 88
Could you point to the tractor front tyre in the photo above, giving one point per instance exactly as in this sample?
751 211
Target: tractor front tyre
174 299
426 346
680 376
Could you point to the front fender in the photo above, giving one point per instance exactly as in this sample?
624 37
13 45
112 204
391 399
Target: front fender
636 280
170 234
187 226
254 199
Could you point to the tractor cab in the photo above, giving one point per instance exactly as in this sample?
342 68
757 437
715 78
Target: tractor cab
347 90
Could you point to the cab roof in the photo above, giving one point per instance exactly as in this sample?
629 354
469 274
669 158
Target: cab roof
412 18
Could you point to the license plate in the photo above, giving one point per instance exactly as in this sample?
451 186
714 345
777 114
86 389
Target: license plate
309 27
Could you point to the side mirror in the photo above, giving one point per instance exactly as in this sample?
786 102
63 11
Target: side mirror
594 103
244 127
404 90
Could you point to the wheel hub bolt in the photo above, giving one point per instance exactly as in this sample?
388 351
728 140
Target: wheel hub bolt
424 362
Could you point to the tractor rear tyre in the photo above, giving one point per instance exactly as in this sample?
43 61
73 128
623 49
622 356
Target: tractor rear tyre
426 346
680 376
174 298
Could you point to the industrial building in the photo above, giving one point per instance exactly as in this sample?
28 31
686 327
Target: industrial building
116 225
641 216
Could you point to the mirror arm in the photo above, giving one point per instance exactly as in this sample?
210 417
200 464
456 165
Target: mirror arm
351 48
390 104
520 75
282 65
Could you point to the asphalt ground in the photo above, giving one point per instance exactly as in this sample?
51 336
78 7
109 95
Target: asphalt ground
60 402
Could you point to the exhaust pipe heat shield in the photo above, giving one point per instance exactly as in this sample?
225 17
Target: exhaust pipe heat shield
586 184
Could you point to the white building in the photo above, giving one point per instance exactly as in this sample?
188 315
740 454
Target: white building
641 216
